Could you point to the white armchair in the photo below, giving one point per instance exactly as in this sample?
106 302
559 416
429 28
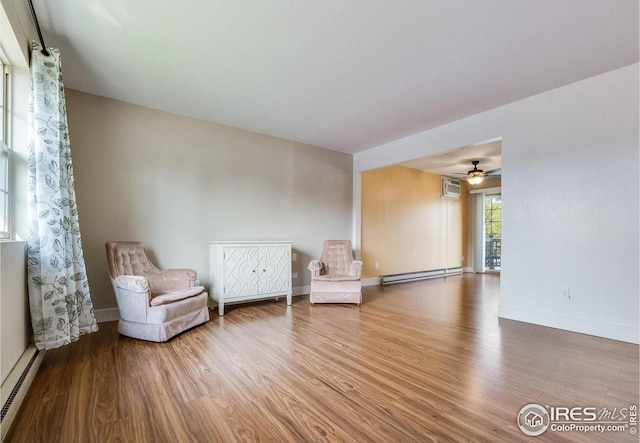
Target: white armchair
336 277
154 304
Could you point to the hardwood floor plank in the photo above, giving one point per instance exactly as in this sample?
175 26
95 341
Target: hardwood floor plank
419 362
104 398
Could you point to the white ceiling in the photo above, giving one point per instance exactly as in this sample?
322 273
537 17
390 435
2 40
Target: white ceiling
457 162
342 74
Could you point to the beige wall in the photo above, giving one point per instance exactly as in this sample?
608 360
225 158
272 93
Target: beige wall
175 183
406 224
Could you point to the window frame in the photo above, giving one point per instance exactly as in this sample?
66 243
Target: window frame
5 151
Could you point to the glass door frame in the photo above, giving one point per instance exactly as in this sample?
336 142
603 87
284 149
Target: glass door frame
477 236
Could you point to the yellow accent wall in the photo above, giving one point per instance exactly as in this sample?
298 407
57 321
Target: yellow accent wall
487 183
407 225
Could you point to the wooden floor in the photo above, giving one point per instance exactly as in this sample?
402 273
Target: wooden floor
417 362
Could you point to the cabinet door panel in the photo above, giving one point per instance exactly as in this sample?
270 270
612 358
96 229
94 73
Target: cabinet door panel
241 272
274 269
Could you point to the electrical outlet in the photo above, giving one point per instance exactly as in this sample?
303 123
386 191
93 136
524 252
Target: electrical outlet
565 293
294 275
294 256
377 265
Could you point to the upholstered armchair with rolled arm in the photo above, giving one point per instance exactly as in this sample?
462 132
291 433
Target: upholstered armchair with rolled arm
336 277
154 304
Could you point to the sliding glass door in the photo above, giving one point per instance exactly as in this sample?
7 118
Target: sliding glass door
485 229
492 231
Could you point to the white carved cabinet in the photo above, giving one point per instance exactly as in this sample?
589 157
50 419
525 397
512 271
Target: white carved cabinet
243 271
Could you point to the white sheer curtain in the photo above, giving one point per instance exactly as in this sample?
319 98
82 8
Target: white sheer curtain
59 297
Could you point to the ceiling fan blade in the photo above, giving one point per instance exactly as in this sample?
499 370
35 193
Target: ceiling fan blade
495 173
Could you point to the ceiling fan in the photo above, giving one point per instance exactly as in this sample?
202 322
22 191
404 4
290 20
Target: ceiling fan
476 176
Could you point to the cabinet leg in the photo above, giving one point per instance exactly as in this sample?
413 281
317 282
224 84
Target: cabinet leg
289 297
220 309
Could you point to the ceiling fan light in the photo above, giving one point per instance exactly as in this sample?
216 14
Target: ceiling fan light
475 180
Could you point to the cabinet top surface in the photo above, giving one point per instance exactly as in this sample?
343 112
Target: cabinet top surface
262 242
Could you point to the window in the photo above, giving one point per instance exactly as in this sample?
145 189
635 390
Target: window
5 153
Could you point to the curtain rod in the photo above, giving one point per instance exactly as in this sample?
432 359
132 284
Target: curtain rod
35 22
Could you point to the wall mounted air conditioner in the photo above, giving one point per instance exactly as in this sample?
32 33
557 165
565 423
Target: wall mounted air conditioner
450 187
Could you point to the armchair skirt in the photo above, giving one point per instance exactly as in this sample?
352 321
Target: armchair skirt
166 321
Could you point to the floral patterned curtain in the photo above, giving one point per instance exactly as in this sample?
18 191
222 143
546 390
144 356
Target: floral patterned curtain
59 298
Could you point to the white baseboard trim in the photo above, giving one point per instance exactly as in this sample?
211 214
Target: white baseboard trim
597 328
105 315
12 380
371 281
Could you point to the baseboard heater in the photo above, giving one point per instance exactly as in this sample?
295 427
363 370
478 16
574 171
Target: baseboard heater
29 363
419 275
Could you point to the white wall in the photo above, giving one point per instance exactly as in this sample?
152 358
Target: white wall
15 325
570 194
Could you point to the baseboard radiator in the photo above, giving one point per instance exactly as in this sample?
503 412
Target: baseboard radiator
419 275
15 388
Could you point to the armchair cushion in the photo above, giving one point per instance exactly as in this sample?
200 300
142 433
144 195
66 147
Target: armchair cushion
173 311
337 256
179 294
129 259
